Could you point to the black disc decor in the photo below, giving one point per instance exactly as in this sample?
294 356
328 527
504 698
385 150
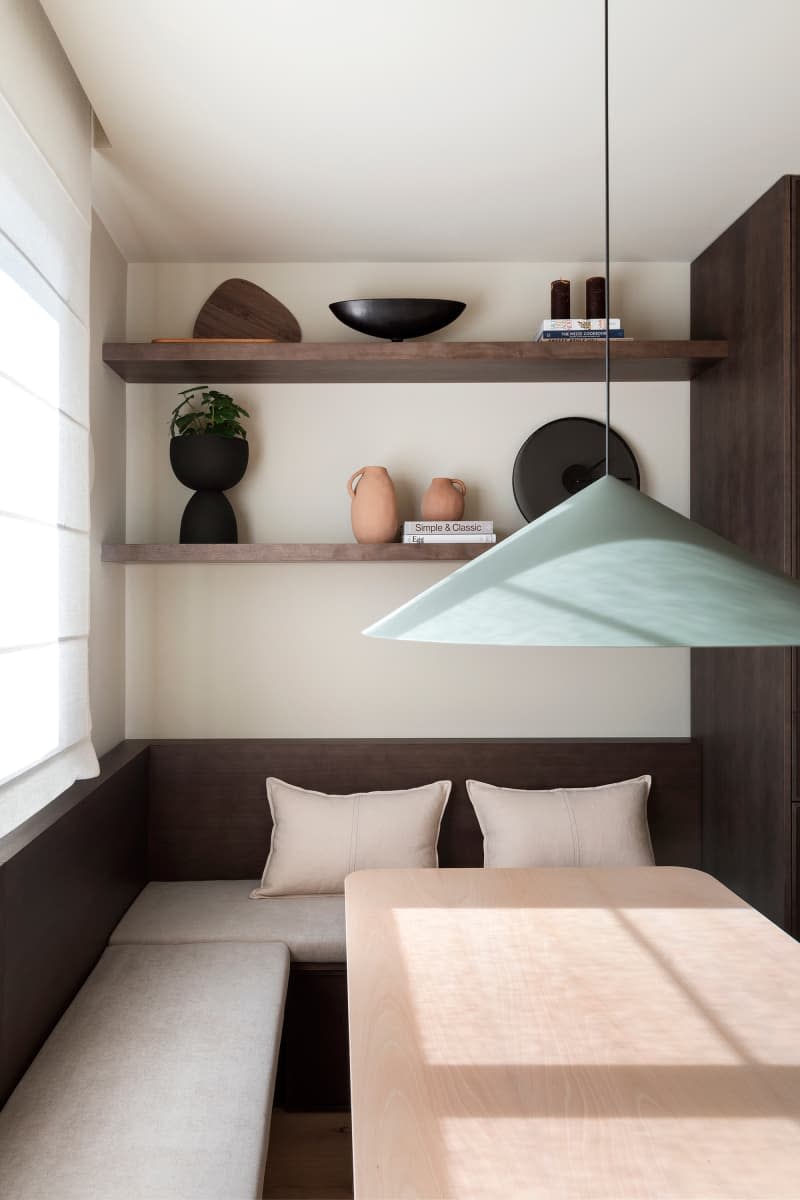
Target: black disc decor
209 464
563 457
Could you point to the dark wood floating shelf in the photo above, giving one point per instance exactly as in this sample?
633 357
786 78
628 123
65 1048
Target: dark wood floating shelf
410 362
290 552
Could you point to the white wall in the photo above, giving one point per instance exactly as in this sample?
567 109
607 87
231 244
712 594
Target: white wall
107 401
276 650
39 84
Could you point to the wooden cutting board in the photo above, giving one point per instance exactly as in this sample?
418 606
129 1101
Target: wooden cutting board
212 341
241 309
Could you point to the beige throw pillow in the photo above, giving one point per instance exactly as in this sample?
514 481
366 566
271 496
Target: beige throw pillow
566 827
318 839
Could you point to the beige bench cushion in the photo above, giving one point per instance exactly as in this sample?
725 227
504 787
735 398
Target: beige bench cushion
156 1084
220 910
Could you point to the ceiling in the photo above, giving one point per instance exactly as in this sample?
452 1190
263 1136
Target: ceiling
431 130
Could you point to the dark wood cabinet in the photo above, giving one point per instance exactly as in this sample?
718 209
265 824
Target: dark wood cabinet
795 867
744 486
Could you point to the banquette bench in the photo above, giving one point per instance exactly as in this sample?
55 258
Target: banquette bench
157 1081
132 891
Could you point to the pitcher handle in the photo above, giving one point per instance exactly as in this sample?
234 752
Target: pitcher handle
350 489
459 485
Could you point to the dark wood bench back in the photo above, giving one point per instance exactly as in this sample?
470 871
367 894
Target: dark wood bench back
66 877
209 817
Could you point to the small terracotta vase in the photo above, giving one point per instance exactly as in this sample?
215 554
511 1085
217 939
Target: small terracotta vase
444 500
374 513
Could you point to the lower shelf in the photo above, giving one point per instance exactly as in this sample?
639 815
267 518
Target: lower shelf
290 552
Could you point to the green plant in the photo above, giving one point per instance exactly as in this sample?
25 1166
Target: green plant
214 412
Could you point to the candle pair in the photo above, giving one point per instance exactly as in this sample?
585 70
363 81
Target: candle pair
595 297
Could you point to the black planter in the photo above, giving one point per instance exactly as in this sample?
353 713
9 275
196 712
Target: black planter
209 464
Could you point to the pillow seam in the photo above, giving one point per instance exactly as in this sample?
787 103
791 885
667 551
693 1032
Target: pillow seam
573 824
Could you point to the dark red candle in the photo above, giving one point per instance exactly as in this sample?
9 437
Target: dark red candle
596 296
559 299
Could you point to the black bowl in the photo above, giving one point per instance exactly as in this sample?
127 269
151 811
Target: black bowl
397 319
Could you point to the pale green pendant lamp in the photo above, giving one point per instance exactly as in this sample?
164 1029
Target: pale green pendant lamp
608 567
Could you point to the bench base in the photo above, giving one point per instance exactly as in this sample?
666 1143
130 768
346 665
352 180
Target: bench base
314 1065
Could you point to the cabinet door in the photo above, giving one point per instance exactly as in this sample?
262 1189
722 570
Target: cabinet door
795 926
743 486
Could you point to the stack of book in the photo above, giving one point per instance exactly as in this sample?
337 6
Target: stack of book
577 328
422 532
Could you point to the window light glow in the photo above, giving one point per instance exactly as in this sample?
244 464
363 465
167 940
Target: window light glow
29 475
28 707
31 535
541 935
30 344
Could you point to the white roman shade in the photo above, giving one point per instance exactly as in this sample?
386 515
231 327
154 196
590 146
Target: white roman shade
44 445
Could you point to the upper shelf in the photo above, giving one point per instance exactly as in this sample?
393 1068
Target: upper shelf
292 552
410 362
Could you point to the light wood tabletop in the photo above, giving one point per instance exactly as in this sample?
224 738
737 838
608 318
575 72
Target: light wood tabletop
569 1034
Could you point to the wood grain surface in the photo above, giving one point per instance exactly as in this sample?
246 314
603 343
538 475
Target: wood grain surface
744 487
570 1033
290 552
310 1157
241 309
410 362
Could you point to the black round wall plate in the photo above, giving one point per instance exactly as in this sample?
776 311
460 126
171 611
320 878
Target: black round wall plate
563 457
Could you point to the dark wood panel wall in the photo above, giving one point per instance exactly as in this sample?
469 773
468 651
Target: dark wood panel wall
66 878
743 486
208 809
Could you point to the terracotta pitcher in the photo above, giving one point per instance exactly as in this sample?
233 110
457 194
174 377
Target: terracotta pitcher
444 500
374 513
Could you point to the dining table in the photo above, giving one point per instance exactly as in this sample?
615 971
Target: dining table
618 1033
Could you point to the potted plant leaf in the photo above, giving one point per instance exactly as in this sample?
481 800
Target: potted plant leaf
208 452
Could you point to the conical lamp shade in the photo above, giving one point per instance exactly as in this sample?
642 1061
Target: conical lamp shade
608 567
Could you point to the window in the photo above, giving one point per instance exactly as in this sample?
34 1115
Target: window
44 483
